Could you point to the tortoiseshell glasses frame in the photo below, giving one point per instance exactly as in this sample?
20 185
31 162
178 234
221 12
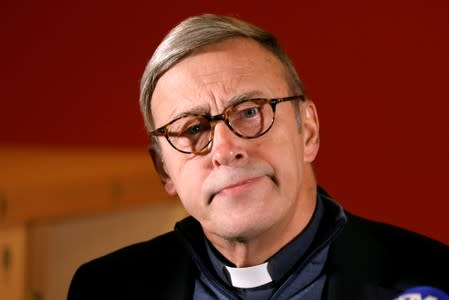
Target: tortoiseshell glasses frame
248 119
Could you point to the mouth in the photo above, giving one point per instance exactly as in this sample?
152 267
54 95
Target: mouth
237 188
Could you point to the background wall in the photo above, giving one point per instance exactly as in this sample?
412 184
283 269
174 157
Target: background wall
378 71
59 248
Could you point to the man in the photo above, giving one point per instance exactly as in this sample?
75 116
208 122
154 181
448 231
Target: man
234 136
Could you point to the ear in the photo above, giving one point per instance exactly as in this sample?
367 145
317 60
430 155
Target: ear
310 130
160 169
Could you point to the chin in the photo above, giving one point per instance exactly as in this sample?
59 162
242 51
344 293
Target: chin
241 231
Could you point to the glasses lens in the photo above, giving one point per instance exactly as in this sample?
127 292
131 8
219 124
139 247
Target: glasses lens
190 133
251 118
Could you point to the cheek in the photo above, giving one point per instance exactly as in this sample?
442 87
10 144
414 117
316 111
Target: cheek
188 186
186 177
187 180
287 157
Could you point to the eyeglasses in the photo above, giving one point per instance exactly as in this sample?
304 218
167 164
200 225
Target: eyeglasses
248 119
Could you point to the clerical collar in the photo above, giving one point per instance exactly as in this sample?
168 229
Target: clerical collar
249 277
277 267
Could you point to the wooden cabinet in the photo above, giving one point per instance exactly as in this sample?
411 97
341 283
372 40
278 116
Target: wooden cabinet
13 262
54 183
44 190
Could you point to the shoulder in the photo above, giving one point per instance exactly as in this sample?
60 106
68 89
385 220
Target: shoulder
137 268
357 224
137 256
395 240
390 254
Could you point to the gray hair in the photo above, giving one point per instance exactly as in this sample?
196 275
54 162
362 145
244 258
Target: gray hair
197 32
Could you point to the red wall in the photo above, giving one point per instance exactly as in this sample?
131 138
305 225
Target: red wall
377 70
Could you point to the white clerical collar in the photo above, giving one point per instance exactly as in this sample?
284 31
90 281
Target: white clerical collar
249 277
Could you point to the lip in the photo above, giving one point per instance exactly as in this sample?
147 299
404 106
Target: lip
235 189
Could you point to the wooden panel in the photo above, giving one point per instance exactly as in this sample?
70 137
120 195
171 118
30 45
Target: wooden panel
59 248
13 262
49 183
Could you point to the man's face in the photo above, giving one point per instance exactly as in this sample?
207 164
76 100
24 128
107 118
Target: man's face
241 188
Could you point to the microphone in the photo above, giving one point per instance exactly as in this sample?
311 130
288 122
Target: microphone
423 293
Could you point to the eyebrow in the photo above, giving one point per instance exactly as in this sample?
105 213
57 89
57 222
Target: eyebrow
245 96
236 99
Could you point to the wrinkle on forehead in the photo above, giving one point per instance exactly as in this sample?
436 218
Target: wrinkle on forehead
212 77
221 89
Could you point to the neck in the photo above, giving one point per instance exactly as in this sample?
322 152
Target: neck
257 250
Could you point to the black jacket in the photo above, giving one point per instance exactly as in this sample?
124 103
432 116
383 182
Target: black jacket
368 260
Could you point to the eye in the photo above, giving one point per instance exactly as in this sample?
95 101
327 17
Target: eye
191 127
192 130
250 112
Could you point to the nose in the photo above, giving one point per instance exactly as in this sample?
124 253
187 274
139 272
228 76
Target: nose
227 148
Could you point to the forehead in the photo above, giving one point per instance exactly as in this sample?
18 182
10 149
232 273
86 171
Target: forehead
212 77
